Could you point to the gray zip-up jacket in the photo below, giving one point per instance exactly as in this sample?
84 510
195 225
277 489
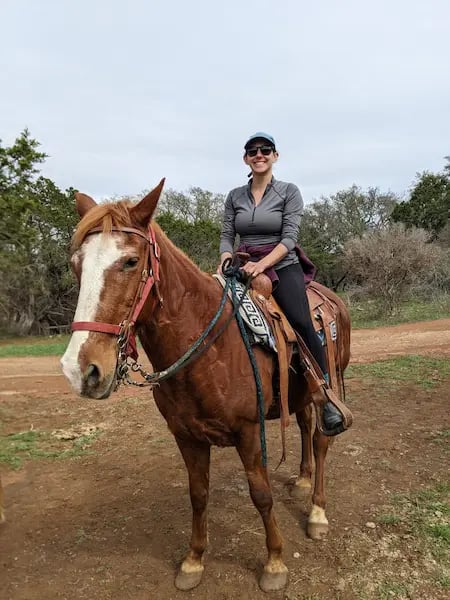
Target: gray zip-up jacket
275 219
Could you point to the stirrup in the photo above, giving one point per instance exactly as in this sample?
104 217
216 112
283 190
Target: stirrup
325 392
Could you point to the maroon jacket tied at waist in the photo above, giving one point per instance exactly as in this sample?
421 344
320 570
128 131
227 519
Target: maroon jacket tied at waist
258 252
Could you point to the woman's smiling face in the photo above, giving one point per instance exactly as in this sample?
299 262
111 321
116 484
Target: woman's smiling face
264 158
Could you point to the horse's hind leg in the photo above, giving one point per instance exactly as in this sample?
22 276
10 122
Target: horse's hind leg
302 485
197 459
317 527
249 448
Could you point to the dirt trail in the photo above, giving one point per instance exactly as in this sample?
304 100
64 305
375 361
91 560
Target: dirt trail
425 337
368 345
113 524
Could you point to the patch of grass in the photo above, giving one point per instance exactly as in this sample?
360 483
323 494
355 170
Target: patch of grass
368 314
46 347
426 517
444 582
443 438
389 519
440 532
54 345
81 536
435 495
424 371
389 590
18 447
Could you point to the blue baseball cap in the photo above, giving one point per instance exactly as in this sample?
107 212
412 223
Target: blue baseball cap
260 135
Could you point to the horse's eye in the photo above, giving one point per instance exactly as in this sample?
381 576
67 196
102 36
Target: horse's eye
130 263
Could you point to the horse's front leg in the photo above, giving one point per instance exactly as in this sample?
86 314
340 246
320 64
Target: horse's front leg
197 459
249 448
317 527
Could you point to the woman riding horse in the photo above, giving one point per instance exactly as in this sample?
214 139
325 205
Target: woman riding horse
132 276
266 213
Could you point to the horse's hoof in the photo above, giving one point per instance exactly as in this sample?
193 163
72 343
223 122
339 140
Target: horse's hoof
317 527
273 582
187 581
300 489
317 531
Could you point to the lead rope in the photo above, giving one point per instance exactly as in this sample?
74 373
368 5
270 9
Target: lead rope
259 393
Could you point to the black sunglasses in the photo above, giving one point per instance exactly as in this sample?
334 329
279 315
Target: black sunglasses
265 151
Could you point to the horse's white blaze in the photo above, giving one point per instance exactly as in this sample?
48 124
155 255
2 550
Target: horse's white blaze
99 252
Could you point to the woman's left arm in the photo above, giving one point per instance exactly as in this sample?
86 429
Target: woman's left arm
292 213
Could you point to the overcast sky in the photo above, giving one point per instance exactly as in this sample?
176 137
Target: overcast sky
122 93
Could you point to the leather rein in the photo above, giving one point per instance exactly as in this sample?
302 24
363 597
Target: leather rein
149 280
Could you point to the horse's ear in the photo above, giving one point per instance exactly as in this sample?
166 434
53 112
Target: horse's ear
143 212
84 203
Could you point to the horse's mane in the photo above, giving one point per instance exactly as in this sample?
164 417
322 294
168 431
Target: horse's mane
106 216
117 214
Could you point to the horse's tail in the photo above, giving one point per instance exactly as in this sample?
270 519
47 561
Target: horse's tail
344 332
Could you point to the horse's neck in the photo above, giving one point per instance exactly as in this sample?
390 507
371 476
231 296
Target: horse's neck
190 299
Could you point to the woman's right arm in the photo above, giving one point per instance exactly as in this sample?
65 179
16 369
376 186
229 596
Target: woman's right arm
228 233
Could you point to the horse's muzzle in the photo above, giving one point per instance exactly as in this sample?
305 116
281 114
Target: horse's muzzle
95 385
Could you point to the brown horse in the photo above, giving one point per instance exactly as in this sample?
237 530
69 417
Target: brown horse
210 402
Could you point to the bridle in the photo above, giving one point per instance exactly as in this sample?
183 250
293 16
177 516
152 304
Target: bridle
126 340
149 281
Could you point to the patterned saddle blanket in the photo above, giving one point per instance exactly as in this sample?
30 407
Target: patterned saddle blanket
259 330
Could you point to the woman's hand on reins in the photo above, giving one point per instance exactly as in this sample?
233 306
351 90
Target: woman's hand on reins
253 269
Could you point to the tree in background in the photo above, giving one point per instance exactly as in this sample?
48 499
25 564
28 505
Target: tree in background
36 288
329 223
429 204
194 206
192 221
387 263
38 291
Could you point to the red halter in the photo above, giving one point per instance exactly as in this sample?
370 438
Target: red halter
149 278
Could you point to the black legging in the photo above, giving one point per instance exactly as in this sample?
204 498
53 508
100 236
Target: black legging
290 294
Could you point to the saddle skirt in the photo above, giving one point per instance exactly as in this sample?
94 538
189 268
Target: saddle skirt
269 327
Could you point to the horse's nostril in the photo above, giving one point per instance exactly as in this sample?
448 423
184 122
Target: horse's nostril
92 375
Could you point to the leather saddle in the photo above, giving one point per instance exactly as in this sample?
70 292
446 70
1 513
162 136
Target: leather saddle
324 314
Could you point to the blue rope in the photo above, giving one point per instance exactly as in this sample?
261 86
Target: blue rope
190 353
251 355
